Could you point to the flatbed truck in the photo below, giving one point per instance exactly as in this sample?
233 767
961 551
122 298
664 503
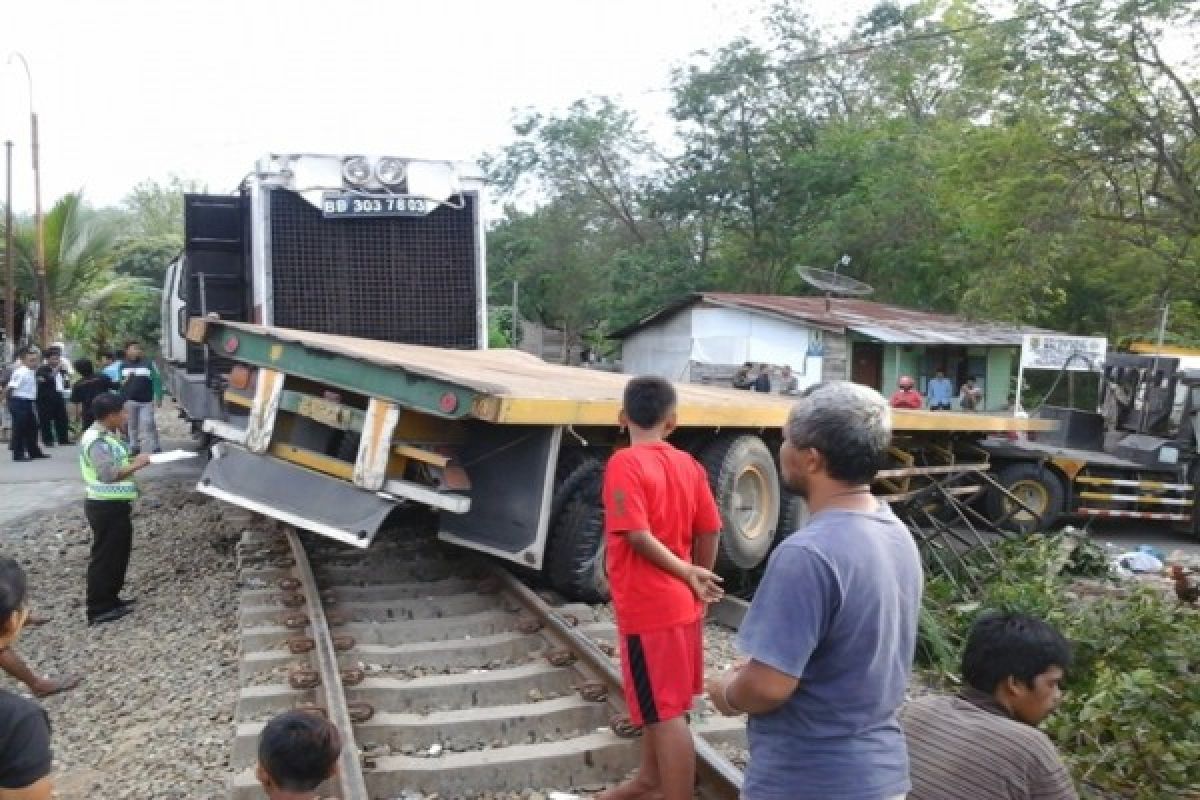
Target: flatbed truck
333 433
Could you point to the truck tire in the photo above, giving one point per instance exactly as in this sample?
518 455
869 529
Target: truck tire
574 563
1038 486
793 514
745 483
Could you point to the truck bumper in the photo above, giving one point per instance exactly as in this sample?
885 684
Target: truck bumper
294 495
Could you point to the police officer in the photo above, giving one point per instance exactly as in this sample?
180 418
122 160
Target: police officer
22 393
108 469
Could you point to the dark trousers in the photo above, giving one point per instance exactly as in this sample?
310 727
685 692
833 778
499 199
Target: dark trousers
52 413
112 539
24 428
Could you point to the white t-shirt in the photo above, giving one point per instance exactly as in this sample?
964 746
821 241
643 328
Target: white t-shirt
23 383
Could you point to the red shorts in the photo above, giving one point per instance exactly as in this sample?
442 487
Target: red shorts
662 671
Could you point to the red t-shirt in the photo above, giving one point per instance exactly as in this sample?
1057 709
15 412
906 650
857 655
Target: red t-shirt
654 487
906 399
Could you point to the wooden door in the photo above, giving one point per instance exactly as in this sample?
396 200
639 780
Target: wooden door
867 364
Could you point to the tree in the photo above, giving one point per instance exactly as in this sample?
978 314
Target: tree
598 221
1129 133
564 278
156 209
79 274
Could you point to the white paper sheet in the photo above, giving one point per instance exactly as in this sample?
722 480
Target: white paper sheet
171 455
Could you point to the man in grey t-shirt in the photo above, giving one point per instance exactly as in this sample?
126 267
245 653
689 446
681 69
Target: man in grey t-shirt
831 633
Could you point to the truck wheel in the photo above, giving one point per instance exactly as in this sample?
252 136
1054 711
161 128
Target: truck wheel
793 514
1038 487
574 562
745 484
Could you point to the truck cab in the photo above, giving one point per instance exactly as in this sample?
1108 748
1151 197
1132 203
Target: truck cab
379 247
1137 456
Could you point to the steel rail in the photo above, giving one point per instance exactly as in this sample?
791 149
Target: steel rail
718 778
351 783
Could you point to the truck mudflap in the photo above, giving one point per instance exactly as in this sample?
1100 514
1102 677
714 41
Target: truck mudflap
294 495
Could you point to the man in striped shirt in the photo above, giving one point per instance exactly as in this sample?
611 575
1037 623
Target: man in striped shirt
984 743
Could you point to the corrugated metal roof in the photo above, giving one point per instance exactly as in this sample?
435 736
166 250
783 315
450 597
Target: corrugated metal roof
879 321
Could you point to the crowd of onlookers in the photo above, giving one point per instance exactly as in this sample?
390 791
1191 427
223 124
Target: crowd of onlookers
939 394
766 379
48 398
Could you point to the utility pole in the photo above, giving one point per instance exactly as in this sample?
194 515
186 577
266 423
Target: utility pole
516 317
10 276
39 222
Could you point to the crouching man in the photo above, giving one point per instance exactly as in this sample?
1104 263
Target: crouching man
984 743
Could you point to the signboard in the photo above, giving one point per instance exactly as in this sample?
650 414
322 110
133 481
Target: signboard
1051 351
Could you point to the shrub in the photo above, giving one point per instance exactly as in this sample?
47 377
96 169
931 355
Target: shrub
1130 718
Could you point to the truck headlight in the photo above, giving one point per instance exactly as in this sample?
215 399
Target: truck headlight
391 171
356 171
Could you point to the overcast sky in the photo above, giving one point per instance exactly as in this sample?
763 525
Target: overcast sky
134 89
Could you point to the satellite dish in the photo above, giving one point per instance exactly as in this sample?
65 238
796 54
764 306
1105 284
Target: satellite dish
829 281
832 282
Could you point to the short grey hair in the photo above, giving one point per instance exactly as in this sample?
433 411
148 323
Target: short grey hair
848 423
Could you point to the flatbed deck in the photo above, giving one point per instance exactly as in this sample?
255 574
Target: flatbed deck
514 388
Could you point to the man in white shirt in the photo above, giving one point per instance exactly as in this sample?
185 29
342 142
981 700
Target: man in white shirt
22 392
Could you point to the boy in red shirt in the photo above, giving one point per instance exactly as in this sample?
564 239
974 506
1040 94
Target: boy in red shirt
661 526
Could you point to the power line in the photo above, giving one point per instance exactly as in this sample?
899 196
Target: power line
938 34
904 41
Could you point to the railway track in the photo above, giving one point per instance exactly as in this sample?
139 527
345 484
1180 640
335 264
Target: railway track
445 674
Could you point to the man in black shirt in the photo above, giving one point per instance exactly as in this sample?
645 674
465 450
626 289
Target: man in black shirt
52 381
763 382
25 756
89 387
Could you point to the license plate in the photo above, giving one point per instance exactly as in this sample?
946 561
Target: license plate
351 206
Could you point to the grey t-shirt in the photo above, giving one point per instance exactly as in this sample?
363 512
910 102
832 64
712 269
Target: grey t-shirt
837 609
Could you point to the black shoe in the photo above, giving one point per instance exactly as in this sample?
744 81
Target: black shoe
22 458
112 615
41 455
123 603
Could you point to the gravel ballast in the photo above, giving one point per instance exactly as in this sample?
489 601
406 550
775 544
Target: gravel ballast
152 716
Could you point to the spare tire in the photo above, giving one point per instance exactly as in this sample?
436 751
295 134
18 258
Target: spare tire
1038 487
745 483
574 562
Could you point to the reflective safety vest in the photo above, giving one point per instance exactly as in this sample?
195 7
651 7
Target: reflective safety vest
94 487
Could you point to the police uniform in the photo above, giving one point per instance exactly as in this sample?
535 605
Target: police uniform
109 509
22 393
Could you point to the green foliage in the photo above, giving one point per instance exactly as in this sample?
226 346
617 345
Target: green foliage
1129 717
155 210
82 291
147 235
500 328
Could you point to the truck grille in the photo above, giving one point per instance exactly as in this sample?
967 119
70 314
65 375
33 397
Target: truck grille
399 279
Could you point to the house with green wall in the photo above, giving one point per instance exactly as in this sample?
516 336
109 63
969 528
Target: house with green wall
706 337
